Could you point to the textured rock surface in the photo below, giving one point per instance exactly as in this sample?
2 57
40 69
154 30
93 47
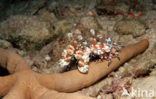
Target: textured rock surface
154 1
25 7
153 73
5 44
113 9
132 27
64 26
88 22
144 87
27 32
47 16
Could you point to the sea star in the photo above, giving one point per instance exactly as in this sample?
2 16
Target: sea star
24 83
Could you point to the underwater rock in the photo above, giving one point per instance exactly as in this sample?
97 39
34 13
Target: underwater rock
2 10
113 9
154 7
116 7
88 22
30 7
47 16
105 96
62 11
132 27
106 23
154 1
17 8
26 32
144 87
5 44
122 7
63 26
153 73
107 2
35 6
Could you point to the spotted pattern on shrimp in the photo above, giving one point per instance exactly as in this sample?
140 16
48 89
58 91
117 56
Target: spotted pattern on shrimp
84 51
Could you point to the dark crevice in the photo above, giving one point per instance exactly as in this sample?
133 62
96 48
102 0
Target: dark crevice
3 71
144 73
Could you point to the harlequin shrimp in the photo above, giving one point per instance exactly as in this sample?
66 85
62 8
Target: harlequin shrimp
84 51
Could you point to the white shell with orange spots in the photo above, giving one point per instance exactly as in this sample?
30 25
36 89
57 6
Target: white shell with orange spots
63 63
83 69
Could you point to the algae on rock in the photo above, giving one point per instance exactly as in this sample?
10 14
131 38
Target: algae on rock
88 22
64 26
26 32
132 27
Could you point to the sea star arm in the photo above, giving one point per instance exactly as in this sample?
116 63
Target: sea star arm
6 83
18 91
12 61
